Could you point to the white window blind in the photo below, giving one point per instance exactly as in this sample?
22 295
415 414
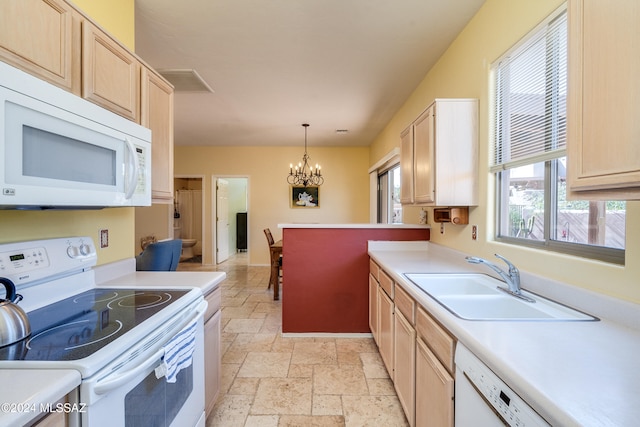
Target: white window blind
530 98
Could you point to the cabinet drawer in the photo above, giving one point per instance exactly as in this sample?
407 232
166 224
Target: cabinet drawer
374 269
214 299
405 304
437 338
387 284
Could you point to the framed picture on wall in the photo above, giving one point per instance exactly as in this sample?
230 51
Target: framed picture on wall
305 197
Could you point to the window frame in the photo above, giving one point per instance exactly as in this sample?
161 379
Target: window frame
385 195
388 163
549 241
601 253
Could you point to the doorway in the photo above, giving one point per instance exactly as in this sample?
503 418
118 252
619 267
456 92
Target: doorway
231 220
188 217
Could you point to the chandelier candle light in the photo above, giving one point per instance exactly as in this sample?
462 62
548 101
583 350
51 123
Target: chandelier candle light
304 175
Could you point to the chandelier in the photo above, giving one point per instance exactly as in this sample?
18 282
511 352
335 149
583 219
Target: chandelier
303 174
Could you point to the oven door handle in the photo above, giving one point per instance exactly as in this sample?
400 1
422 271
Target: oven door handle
156 358
107 386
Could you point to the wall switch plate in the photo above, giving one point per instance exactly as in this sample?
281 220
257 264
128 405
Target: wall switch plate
104 238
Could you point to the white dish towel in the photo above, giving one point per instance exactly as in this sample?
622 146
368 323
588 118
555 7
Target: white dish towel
178 353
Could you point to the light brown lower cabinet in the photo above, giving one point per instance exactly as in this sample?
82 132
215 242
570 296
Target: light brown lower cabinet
212 355
385 330
434 390
373 307
404 373
417 351
54 418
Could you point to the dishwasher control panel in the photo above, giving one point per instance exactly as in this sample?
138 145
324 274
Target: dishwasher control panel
505 403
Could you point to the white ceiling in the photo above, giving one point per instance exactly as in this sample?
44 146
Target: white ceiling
275 64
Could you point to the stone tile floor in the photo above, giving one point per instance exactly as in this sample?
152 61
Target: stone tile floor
271 380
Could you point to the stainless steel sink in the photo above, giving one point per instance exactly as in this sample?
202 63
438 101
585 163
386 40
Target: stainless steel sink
478 297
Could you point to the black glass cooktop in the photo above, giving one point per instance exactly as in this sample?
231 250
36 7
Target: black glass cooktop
78 326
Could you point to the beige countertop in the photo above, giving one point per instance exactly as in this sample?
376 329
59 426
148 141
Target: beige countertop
572 373
359 225
206 281
123 274
25 393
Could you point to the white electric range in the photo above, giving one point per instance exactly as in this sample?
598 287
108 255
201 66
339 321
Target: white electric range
127 343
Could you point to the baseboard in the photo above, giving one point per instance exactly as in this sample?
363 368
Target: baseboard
326 335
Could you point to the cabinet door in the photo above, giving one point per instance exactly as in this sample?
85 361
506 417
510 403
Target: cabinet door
110 74
406 165
385 330
424 166
42 37
434 390
156 113
603 139
455 154
373 307
212 367
404 360
440 341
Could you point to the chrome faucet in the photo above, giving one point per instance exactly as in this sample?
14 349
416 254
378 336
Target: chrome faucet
512 277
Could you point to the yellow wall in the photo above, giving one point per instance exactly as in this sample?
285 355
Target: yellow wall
115 16
463 71
155 220
344 197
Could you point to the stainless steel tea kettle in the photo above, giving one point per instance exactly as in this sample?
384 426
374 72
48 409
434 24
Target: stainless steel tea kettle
14 323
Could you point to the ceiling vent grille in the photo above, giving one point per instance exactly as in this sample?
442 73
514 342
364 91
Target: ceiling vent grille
186 80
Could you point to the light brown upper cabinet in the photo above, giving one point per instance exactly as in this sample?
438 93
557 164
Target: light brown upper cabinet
603 132
406 166
110 73
439 155
42 37
156 113
57 43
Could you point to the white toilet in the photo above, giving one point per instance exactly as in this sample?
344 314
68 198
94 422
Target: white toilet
187 244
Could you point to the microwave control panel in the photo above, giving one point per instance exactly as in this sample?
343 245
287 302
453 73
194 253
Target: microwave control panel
142 170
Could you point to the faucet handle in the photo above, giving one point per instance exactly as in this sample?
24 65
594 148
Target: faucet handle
512 268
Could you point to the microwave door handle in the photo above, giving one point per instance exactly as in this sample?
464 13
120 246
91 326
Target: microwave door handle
133 177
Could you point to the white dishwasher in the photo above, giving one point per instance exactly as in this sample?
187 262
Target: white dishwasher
484 400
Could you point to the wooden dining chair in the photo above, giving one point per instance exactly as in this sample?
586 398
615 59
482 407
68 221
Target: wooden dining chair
276 260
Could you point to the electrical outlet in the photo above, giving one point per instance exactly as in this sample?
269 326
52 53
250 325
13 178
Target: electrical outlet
474 232
442 228
104 238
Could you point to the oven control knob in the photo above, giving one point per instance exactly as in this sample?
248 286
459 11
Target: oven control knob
72 251
85 249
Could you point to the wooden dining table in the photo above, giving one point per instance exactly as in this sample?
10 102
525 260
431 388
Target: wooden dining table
276 252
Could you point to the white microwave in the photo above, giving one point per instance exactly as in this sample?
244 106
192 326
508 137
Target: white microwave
61 151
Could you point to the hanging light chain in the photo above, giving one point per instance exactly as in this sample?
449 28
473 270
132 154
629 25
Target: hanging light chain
304 174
